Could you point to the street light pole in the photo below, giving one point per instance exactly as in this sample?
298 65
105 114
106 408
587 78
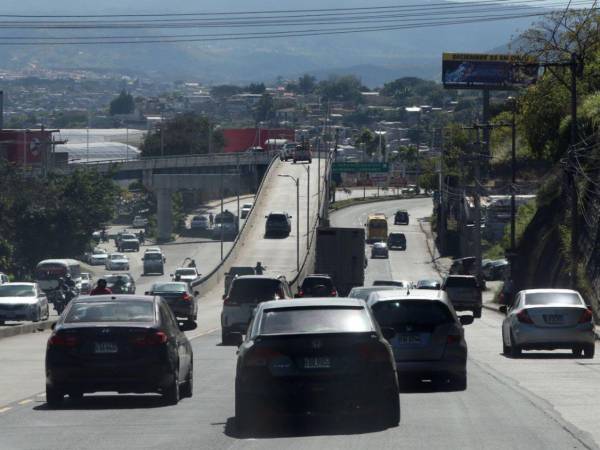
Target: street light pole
307 168
513 206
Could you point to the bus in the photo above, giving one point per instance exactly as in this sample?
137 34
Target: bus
377 228
49 271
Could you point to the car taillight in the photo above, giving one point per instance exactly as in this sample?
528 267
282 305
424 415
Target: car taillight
333 293
373 352
523 317
185 296
586 316
228 302
453 339
300 293
61 340
260 356
148 340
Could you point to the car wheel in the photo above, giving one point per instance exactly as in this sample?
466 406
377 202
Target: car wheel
459 382
577 351
225 338
187 388
588 351
310 161
477 313
54 397
294 161
515 350
171 392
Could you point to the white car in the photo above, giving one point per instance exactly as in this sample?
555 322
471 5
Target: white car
98 257
246 208
200 223
153 250
187 274
117 261
139 222
548 319
86 283
23 301
3 278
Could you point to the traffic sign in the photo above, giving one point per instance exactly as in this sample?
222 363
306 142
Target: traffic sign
369 167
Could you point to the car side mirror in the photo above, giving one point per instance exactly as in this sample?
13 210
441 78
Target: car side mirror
503 309
466 320
196 293
236 339
188 325
147 293
388 332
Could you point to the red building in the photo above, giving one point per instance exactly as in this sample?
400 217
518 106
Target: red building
25 147
240 139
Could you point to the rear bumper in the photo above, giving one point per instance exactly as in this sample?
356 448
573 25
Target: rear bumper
431 368
466 306
533 337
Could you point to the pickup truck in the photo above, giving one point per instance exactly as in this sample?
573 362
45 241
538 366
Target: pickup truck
464 293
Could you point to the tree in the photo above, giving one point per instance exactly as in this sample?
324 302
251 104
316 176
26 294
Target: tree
369 141
256 88
123 104
306 84
346 88
186 134
225 90
265 109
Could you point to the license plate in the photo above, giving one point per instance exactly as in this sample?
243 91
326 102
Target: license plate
553 319
318 362
105 347
409 339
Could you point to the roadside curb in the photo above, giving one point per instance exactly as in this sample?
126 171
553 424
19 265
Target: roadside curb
26 328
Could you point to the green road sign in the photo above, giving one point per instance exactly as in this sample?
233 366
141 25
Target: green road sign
347 167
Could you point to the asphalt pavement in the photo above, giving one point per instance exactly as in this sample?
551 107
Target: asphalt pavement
544 400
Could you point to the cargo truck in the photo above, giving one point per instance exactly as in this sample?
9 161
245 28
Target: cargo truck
341 255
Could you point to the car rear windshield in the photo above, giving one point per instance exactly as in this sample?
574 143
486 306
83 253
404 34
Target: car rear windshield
378 224
16 291
315 320
128 236
552 298
402 215
117 256
117 279
185 272
389 283
397 237
311 283
169 287
113 311
255 290
276 218
153 256
461 282
50 272
397 313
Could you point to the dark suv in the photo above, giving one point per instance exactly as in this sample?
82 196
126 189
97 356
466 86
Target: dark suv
317 285
396 240
278 224
246 292
401 217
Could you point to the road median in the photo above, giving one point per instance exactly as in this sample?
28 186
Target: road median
25 328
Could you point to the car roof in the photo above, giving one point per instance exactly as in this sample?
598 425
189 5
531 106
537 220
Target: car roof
18 283
256 277
278 212
317 275
460 276
380 244
314 302
112 297
403 294
549 291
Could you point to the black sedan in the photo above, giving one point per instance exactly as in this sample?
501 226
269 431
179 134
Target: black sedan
180 298
118 343
318 355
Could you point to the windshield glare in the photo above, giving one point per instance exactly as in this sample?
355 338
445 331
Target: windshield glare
315 320
168 287
8 290
120 311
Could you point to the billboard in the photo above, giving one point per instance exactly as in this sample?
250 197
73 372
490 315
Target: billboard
486 71
240 139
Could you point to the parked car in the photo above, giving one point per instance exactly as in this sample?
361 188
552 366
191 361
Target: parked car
317 285
428 338
302 153
200 223
186 274
86 283
120 344
246 292
429 284
139 222
120 283
117 261
23 301
363 292
548 319
128 241
396 240
464 293
319 355
246 208
278 224
379 250
401 217
180 298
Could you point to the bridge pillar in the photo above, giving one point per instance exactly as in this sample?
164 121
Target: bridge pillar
164 214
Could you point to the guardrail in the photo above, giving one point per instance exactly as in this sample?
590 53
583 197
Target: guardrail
210 280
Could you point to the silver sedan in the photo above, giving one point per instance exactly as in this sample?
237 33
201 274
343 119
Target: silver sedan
548 319
23 301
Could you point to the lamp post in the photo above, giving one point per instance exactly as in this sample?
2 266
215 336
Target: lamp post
307 168
296 181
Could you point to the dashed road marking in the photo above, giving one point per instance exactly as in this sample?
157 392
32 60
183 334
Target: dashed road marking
2 410
24 402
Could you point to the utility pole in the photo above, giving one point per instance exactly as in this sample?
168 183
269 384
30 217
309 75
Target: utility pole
571 175
162 135
221 219
477 201
297 225
307 206
513 187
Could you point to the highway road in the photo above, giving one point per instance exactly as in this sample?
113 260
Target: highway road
544 400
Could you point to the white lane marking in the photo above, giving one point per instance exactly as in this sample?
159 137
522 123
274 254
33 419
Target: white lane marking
5 409
24 402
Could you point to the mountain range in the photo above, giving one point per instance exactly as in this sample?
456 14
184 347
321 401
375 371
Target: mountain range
375 57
